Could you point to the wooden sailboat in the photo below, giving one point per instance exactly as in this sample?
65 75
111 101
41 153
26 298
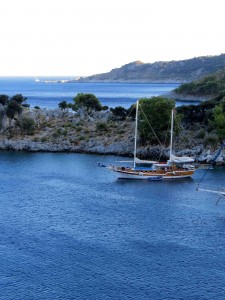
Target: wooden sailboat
174 168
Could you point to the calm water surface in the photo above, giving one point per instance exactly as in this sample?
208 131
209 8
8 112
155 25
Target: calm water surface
69 230
48 95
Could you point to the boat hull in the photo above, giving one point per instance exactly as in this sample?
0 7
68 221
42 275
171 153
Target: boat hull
151 175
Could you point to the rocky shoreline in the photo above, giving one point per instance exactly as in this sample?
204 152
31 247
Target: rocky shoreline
185 98
69 132
125 149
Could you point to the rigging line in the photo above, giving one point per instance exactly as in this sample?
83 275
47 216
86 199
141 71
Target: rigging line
126 121
217 202
213 161
198 183
151 127
166 136
211 187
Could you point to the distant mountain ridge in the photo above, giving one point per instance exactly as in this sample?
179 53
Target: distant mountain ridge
161 71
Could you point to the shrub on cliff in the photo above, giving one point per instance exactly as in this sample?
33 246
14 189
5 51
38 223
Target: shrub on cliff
87 101
101 126
201 134
211 140
63 105
20 100
4 99
13 108
119 112
218 121
27 125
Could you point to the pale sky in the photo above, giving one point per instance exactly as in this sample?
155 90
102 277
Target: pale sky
86 37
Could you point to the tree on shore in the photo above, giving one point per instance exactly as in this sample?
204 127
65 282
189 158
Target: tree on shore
13 108
4 99
218 121
119 112
63 105
87 101
154 119
13 105
19 99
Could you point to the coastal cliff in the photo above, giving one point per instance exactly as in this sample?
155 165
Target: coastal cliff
98 133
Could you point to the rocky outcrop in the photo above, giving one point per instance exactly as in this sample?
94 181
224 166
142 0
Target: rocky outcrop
65 131
122 148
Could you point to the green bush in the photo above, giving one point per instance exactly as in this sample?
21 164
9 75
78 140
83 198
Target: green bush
218 121
210 85
154 118
119 112
82 138
87 101
211 140
63 105
4 99
101 126
55 135
27 125
200 134
44 139
13 108
78 128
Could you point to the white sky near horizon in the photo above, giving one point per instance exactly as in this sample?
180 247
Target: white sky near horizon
86 37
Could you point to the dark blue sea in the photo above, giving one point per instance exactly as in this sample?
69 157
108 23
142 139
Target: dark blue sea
48 95
69 230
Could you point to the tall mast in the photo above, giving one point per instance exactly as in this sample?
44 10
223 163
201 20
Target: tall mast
171 135
135 136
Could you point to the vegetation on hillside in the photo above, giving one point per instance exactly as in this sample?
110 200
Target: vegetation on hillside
13 105
89 102
206 121
164 71
194 124
210 85
154 119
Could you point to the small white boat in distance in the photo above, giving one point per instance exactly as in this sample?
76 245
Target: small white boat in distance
36 79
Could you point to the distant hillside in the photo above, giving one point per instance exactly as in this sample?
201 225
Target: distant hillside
210 85
162 71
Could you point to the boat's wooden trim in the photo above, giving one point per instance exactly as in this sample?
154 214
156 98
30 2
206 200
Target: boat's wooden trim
143 174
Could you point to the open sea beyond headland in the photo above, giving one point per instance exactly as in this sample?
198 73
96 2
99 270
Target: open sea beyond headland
69 230
48 95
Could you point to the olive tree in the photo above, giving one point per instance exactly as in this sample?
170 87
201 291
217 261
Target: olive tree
87 101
